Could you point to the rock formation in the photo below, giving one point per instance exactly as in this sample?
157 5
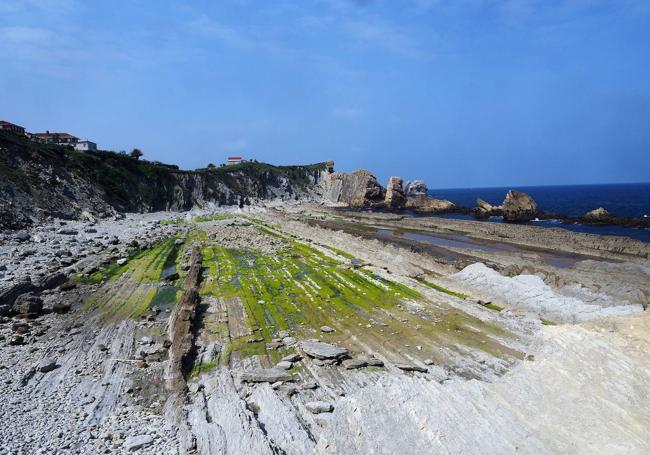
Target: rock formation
395 197
357 189
484 209
426 204
598 214
516 206
416 188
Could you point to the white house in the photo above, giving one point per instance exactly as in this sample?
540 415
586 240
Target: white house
85 146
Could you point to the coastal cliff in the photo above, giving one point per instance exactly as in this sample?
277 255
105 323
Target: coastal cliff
40 180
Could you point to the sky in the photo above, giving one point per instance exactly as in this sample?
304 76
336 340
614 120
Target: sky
460 93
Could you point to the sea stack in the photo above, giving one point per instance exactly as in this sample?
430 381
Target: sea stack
395 197
518 206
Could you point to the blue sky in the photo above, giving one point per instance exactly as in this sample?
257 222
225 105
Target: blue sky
460 93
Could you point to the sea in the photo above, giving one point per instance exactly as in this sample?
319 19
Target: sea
631 200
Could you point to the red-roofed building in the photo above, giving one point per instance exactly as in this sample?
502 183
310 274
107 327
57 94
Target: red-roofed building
234 160
8 126
55 138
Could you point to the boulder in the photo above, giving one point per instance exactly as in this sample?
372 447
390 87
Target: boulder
409 367
322 351
28 304
485 209
60 308
427 204
52 281
9 294
284 365
416 188
326 329
292 358
598 214
67 231
46 365
353 364
395 198
22 236
87 216
518 206
357 189
133 443
318 407
270 375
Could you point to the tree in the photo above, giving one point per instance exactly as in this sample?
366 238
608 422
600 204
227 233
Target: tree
211 166
136 153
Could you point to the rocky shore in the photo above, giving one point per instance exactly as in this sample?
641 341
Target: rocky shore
316 331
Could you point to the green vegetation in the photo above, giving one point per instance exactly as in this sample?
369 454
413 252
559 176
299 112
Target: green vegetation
130 289
339 252
442 289
494 307
301 289
203 219
547 322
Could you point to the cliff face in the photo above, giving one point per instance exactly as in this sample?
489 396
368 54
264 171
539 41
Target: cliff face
38 180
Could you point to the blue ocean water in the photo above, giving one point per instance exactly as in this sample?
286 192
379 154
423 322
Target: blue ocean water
632 200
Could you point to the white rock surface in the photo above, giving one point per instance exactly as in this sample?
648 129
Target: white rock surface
529 292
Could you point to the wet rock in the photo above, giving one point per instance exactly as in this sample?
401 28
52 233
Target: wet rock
133 443
318 407
322 351
173 276
46 365
269 375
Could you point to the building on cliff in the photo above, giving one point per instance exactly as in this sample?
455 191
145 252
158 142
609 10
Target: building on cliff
8 126
55 138
85 146
234 160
